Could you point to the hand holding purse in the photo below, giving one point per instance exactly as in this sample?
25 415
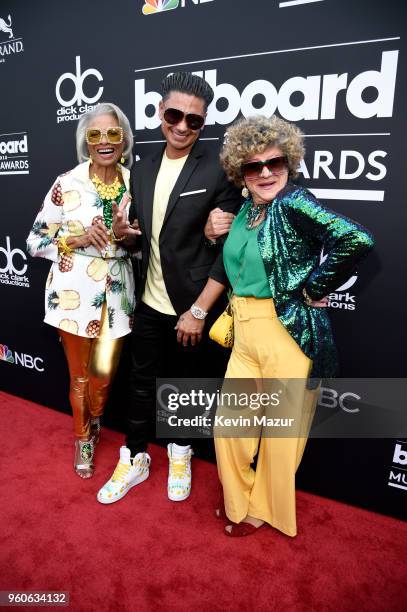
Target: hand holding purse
222 330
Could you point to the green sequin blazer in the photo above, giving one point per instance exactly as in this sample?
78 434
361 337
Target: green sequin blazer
296 227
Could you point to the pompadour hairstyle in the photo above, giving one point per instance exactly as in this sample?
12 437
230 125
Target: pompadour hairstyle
188 83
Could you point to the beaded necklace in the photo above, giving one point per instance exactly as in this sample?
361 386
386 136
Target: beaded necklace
254 213
108 194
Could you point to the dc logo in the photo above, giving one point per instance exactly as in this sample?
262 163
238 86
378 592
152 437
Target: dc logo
78 79
10 255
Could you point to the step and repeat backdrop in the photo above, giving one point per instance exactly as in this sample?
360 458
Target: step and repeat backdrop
335 67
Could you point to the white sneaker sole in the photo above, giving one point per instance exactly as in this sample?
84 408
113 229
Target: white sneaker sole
178 498
116 498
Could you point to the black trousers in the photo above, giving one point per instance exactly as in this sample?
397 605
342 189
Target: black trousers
156 353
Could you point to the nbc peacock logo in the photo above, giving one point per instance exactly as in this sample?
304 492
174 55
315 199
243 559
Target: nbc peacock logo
159 6
21 359
6 354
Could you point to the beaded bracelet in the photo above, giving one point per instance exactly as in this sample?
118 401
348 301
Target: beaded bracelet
115 238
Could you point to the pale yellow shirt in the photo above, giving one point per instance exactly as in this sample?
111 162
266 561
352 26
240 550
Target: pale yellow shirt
155 293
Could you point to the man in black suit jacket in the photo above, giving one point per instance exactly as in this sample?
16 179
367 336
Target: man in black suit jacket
181 276
187 259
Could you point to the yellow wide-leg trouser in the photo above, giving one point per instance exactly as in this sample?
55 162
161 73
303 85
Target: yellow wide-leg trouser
263 349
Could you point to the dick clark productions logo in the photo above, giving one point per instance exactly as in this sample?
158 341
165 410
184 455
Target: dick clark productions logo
13 272
69 91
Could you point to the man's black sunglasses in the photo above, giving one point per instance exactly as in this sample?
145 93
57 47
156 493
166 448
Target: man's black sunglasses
174 116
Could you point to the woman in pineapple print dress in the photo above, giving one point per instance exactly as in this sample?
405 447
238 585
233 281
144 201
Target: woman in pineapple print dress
90 287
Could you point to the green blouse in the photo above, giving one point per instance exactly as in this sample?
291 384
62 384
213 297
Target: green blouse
243 263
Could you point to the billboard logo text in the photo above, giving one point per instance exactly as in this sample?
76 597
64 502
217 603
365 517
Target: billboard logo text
320 95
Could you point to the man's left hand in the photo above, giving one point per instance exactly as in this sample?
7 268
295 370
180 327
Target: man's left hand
218 224
189 329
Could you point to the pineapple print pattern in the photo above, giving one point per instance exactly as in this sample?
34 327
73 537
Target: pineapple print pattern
69 325
72 200
75 228
114 286
99 300
97 269
56 194
80 283
66 262
110 315
98 203
45 233
93 328
67 299
98 219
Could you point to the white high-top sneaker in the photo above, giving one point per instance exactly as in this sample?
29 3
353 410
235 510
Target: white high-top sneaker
128 473
179 475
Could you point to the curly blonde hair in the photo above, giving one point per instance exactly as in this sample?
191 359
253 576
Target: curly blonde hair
253 135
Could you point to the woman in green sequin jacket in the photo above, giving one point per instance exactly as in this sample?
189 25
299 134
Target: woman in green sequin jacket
294 229
272 257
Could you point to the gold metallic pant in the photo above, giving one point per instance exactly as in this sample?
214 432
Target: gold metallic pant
263 350
92 365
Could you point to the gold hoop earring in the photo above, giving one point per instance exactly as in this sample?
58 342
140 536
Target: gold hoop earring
122 159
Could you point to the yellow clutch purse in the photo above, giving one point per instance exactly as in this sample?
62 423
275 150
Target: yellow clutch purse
222 330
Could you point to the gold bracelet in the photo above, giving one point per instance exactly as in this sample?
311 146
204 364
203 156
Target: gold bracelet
63 247
307 298
115 238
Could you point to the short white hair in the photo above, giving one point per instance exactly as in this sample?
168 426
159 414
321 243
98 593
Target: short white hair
105 108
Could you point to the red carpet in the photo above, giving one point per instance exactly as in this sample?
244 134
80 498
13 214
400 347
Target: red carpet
146 553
